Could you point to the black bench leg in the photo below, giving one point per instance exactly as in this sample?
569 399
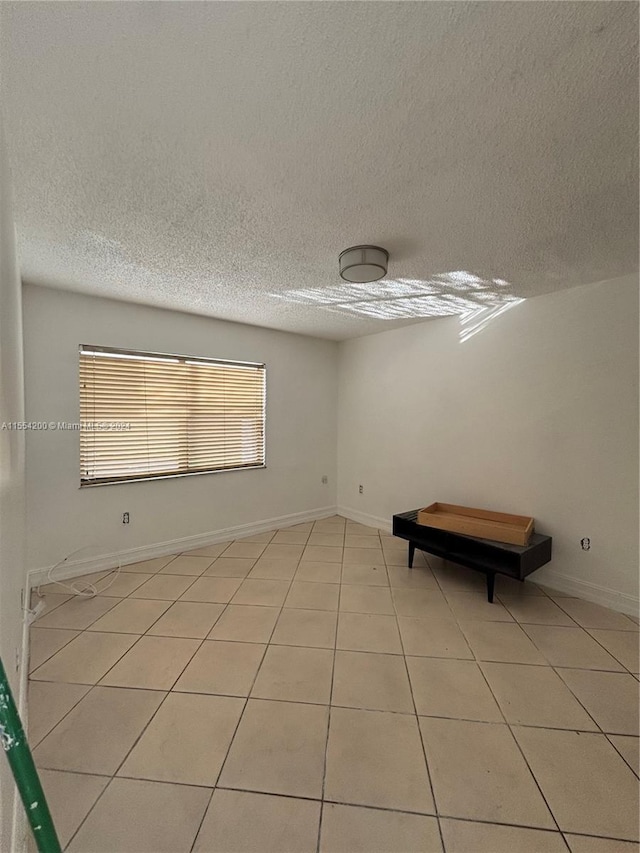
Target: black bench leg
491 579
412 551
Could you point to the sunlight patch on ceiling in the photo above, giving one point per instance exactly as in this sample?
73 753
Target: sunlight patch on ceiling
444 295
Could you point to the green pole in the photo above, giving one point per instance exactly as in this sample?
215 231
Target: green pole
14 743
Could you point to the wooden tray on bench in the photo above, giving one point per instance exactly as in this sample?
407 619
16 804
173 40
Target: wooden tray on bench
499 526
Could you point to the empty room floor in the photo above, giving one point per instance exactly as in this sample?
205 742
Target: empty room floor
302 690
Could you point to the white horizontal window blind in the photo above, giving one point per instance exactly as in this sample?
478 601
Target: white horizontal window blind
146 415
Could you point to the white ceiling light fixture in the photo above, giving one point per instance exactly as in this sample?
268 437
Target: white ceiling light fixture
361 264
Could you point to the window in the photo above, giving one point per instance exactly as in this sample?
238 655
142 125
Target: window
147 415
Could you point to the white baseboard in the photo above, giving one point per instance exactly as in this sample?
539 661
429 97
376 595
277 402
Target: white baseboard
78 567
364 518
551 578
595 593
20 826
605 596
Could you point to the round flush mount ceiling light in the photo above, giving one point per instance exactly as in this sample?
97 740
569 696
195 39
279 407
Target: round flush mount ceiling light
361 264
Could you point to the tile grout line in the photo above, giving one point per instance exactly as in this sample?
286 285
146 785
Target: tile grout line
267 646
521 751
417 719
545 663
294 575
579 701
33 671
611 654
374 808
98 798
96 684
244 707
91 686
137 739
476 660
608 737
377 808
288 645
348 707
326 743
592 628
202 819
584 630
518 746
145 727
330 705
208 636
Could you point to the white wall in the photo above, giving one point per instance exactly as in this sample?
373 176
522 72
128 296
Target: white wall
300 432
11 477
536 414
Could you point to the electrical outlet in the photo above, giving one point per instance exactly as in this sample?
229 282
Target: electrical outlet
125 518
361 490
325 479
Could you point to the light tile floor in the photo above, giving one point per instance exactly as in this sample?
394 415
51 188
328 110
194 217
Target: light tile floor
302 690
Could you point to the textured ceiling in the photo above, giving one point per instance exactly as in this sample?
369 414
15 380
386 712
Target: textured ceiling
216 157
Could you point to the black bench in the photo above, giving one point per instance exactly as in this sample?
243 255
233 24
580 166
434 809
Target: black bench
483 555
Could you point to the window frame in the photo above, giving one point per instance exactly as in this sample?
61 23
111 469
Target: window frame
87 349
